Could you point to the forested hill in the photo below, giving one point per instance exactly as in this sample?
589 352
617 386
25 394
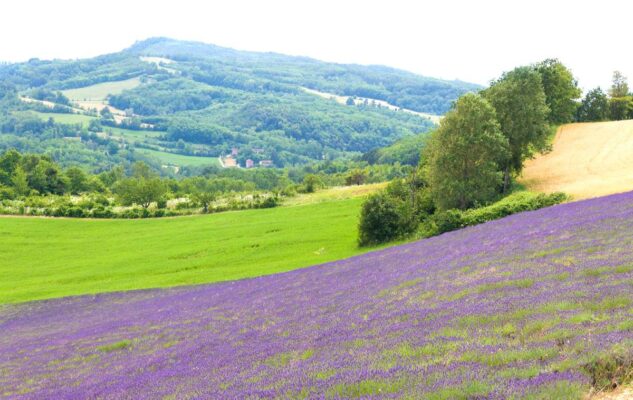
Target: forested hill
195 99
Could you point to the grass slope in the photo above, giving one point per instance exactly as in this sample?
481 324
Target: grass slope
587 160
42 258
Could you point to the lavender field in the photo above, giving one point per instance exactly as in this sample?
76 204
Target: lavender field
515 308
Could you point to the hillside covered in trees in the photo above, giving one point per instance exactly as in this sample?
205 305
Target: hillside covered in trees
171 97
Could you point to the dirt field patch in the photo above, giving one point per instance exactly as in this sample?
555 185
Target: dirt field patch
587 160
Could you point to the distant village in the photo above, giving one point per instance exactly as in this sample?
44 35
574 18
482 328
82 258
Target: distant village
231 161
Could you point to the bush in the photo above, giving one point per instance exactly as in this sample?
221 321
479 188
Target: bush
161 203
74 212
446 221
611 369
268 202
517 202
450 220
102 212
384 218
6 193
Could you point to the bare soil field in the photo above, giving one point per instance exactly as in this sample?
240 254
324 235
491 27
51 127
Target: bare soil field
587 160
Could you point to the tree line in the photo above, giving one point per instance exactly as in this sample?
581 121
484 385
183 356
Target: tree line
599 106
470 160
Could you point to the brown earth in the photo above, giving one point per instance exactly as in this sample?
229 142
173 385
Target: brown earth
587 160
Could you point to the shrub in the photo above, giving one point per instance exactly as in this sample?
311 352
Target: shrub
161 203
384 218
6 193
268 202
449 220
517 202
102 212
612 368
74 212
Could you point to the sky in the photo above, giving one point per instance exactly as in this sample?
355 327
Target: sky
473 41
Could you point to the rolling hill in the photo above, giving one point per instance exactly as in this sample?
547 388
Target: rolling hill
205 100
537 305
587 160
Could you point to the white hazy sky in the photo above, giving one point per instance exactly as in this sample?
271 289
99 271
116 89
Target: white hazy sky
469 40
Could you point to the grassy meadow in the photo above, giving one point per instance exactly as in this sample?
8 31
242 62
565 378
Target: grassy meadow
179 159
84 120
44 258
101 90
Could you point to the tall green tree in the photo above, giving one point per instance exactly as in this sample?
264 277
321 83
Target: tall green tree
619 86
520 103
20 181
561 90
621 103
594 107
620 108
203 191
464 155
77 180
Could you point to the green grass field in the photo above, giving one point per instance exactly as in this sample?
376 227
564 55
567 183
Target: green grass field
101 90
66 118
45 257
179 159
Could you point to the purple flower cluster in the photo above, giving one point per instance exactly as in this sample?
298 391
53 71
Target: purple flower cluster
502 309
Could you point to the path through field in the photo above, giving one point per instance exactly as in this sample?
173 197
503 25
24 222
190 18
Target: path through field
587 160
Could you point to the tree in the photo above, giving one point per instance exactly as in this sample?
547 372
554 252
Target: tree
203 192
20 182
520 104
384 218
561 90
8 163
620 86
464 155
77 180
620 108
357 176
143 188
594 107
312 182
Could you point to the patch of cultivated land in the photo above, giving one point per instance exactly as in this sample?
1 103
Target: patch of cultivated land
100 91
96 96
46 257
60 118
509 309
587 160
180 160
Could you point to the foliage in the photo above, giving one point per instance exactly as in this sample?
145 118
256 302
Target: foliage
404 151
449 220
384 218
594 107
611 368
520 103
620 86
561 90
464 155
620 108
